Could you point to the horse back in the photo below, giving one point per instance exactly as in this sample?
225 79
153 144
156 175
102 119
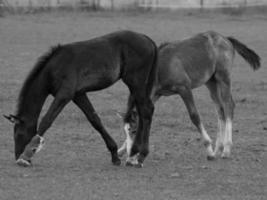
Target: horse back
138 55
191 61
98 63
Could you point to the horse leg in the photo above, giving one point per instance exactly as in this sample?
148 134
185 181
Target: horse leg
188 99
215 96
123 149
127 144
140 147
129 138
85 105
224 85
127 126
145 109
130 124
61 99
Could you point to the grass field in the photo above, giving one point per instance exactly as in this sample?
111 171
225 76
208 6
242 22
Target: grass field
75 163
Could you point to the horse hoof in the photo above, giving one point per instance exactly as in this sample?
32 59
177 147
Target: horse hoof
134 150
139 165
136 165
120 153
225 156
116 162
23 163
129 164
210 158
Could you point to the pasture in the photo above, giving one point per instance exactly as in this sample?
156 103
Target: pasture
75 163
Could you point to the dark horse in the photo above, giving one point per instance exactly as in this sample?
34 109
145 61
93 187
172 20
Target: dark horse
69 71
205 59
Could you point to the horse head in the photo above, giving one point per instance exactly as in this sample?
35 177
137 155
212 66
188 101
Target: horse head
23 133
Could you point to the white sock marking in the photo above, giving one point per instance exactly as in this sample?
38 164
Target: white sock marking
227 141
129 140
220 136
23 162
122 150
133 160
41 143
206 139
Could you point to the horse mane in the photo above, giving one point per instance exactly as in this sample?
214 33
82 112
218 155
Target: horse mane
40 64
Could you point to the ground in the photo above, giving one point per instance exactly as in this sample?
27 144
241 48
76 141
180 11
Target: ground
75 163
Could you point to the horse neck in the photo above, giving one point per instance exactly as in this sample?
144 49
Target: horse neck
31 103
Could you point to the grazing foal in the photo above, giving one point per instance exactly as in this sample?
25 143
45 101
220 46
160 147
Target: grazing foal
69 71
205 59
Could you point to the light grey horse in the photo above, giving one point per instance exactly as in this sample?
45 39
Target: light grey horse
205 59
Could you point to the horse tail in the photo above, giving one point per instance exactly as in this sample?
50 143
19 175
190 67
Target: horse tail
152 78
248 54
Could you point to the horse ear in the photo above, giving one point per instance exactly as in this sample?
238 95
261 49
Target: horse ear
120 114
13 119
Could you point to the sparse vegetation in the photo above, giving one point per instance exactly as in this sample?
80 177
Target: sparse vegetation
75 164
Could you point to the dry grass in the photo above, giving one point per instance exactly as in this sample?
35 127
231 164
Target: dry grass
75 163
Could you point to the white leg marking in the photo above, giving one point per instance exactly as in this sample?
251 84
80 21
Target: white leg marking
132 160
129 140
23 162
219 139
227 141
40 145
33 147
207 141
129 143
122 150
